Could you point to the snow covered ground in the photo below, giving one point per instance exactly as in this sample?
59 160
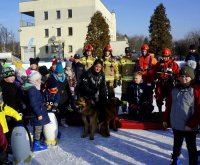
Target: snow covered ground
125 147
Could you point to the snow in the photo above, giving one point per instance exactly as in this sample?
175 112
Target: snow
124 147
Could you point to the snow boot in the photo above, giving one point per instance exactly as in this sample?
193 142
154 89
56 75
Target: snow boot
176 161
38 146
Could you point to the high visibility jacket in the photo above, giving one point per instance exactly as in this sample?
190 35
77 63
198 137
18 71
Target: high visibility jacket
87 61
146 63
126 68
7 111
110 68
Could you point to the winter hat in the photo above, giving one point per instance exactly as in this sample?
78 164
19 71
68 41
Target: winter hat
43 70
51 83
192 47
59 68
7 72
54 62
68 64
187 71
34 76
77 56
34 60
98 61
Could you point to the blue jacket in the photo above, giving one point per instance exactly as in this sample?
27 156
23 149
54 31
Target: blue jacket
35 103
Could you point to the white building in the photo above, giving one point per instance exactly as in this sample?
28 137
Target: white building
58 27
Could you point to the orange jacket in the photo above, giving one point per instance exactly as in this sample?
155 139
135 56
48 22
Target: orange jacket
147 62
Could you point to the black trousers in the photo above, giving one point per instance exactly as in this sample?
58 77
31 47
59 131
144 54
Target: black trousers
190 138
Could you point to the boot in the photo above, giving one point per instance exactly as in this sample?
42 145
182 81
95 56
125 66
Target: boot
38 146
175 160
4 158
63 123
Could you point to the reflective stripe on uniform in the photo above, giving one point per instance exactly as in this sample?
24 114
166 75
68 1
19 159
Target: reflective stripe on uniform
112 78
127 78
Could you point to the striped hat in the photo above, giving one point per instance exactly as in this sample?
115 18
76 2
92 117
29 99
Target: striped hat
7 72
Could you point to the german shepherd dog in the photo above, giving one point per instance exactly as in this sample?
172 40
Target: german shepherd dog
89 116
109 117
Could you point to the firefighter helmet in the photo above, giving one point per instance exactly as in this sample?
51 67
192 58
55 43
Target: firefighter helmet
145 47
108 48
88 47
166 52
127 50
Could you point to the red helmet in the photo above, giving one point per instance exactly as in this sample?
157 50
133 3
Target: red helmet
145 47
108 48
88 47
166 52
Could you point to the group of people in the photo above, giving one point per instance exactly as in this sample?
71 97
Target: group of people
39 89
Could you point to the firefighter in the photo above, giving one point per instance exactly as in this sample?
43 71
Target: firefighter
146 63
88 58
126 69
111 71
166 71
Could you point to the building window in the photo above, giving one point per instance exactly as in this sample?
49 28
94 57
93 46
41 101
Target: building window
45 15
70 31
58 14
47 49
70 13
70 48
58 32
46 32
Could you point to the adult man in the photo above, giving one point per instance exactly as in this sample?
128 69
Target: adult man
110 69
166 71
126 69
193 60
88 58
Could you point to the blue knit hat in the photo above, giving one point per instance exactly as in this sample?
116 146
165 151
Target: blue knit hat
59 68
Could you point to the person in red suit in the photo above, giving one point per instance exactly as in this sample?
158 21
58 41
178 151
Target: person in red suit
166 71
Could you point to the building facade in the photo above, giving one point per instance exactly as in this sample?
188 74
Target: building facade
58 27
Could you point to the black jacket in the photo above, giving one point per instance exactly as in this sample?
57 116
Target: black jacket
78 69
137 93
93 82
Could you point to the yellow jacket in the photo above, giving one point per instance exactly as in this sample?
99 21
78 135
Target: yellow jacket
87 61
7 111
111 69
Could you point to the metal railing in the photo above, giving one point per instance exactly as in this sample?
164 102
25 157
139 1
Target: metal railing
25 23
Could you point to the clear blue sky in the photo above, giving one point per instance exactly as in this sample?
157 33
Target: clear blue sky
132 16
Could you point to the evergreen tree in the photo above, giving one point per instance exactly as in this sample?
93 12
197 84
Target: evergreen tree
98 34
159 30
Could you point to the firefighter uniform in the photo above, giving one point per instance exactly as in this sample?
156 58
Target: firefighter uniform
111 74
126 70
111 70
88 59
166 71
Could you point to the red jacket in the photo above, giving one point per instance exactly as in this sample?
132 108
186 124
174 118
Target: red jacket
162 68
3 141
194 120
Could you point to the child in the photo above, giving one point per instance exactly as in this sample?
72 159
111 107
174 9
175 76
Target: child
39 112
3 148
71 77
51 94
183 109
138 98
33 65
5 111
64 90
